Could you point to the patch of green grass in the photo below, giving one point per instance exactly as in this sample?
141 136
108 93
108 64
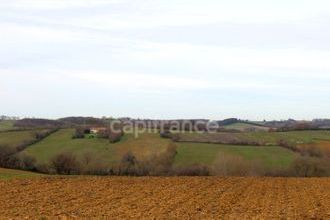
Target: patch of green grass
6 174
61 141
269 156
14 138
243 126
6 125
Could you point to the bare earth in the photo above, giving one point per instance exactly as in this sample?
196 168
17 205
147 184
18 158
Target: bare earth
163 198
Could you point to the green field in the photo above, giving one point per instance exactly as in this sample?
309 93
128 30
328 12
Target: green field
6 174
245 126
14 138
6 125
61 141
269 156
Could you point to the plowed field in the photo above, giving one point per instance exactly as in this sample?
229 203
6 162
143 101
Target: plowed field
164 198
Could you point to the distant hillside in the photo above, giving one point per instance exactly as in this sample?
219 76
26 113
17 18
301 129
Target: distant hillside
244 126
241 125
37 123
81 121
230 123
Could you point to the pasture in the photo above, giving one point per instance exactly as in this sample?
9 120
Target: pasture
6 125
269 156
14 138
145 145
265 138
245 126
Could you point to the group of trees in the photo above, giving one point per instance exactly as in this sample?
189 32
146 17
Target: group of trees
311 162
11 158
309 151
28 123
112 133
4 117
156 165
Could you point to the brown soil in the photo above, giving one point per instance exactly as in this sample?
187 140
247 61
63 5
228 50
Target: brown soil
165 197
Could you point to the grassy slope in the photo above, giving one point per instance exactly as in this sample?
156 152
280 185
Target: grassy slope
101 149
270 156
10 174
14 138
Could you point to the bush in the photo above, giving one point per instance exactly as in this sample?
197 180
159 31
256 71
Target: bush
157 165
311 151
8 158
115 137
103 133
310 167
128 165
304 151
45 168
79 133
65 163
165 134
96 168
93 166
193 170
27 162
228 165
287 145
160 165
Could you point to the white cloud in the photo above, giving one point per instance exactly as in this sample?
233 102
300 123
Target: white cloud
236 59
34 34
61 47
55 4
187 13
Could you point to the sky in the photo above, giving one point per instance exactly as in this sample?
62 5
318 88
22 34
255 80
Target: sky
165 59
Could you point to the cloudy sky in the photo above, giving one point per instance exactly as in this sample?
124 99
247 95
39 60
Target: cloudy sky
257 59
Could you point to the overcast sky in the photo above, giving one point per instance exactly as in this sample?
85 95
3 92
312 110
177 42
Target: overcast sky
257 59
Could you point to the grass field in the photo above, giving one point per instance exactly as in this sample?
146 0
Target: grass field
6 174
13 138
269 156
268 138
6 125
61 141
244 126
